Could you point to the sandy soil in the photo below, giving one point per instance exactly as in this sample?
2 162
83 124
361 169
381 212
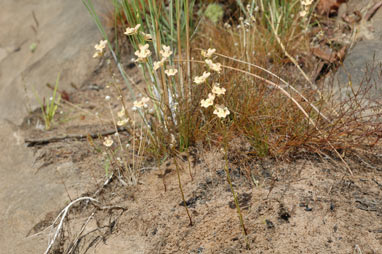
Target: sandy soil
309 205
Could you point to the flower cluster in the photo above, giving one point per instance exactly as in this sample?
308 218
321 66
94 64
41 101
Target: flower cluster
134 30
165 52
214 66
123 120
220 110
99 48
216 91
305 4
141 104
143 52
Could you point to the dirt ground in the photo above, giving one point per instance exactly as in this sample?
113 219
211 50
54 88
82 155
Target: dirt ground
310 205
307 205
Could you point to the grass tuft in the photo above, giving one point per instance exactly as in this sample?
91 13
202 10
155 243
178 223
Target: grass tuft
241 79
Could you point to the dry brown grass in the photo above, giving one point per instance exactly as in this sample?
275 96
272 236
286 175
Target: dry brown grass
278 120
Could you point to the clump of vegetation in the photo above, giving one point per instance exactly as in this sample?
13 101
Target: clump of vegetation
214 12
49 107
230 80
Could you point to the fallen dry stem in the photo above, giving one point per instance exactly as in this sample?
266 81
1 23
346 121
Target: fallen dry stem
77 239
62 215
44 141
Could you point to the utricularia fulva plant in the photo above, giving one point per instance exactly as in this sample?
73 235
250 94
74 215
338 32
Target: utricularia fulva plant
169 104
165 118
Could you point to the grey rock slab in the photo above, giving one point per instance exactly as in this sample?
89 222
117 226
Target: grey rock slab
64 39
65 36
361 68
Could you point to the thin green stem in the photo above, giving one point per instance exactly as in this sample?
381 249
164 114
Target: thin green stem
238 210
181 190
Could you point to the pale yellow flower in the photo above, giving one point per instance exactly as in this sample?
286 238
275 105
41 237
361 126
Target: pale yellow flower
201 79
208 102
121 114
143 53
171 72
305 5
108 142
142 102
101 45
214 66
132 30
166 52
209 53
226 25
306 2
217 90
97 54
221 111
123 122
303 13
147 37
158 64
99 48
211 96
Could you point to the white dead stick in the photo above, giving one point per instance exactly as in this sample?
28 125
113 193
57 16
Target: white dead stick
81 231
62 215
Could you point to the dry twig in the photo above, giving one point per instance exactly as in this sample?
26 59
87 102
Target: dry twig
62 215
43 141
